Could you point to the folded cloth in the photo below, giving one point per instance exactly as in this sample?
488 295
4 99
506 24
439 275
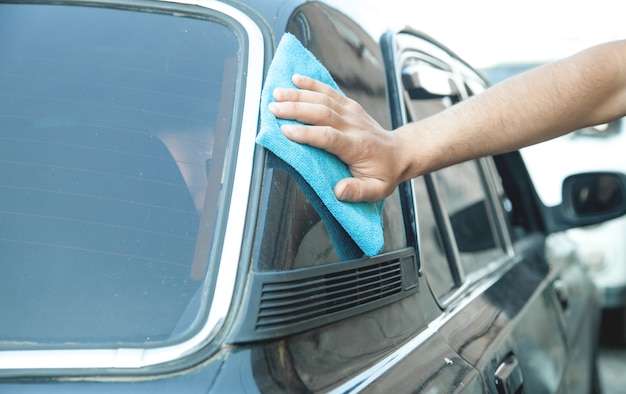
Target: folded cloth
321 170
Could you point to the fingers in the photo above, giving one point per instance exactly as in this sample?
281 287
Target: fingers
323 137
313 98
331 121
344 190
306 112
361 190
314 104
313 85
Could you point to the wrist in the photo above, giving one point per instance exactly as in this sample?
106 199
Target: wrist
404 155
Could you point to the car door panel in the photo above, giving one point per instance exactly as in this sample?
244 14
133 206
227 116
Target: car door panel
571 287
513 316
431 366
339 354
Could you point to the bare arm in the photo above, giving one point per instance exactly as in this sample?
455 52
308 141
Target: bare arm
585 89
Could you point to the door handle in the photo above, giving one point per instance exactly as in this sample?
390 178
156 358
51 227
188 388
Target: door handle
508 377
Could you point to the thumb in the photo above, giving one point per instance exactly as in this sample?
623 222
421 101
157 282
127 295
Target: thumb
360 190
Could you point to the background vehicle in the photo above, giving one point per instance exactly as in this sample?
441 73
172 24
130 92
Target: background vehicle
149 245
601 247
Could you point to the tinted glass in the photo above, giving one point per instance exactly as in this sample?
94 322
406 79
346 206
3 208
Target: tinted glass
462 192
113 128
432 252
296 229
421 104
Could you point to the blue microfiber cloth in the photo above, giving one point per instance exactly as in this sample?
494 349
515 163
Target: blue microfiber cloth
320 169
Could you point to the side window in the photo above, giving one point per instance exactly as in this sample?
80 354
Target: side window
294 230
459 226
458 231
464 199
113 166
507 192
438 271
429 85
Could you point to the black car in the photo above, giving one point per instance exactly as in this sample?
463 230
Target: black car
147 244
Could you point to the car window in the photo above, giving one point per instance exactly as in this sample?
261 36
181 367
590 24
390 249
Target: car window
458 230
458 227
296 228
437 268
463 194
113 149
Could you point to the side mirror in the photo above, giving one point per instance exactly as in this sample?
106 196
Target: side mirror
590 198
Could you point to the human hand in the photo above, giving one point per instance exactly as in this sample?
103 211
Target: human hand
342 127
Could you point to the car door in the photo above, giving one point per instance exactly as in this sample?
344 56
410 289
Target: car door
483 253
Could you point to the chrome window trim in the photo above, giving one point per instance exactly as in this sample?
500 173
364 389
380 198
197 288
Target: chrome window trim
229 260
408 42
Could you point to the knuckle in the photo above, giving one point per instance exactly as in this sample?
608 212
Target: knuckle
327 101
292 95
350 103
284 110
311 84
328 133
327 114
299 110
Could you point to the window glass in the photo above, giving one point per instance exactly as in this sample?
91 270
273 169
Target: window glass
517 209
431 246
462 192
422 103
112 146
429 88
295 228
455 220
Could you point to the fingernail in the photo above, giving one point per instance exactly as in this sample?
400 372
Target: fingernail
346 194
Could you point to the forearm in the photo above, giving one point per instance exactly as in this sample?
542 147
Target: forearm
586 89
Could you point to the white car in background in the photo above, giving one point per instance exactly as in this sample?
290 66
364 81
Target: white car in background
599 148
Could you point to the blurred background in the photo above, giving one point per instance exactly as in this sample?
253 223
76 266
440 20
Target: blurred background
531 31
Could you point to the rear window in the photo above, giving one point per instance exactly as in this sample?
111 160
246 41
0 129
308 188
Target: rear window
113 130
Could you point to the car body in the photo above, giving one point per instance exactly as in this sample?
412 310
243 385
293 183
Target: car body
149 245
596 148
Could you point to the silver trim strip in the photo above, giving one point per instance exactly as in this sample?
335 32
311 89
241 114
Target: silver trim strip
137 358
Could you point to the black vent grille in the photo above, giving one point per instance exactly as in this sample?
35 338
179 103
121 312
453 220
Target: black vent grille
284 303
296 301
